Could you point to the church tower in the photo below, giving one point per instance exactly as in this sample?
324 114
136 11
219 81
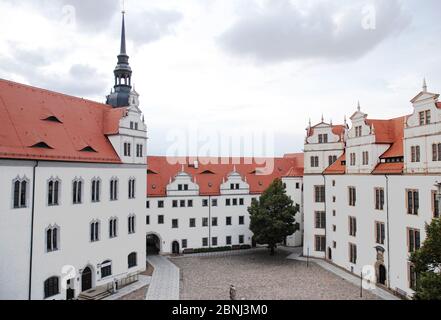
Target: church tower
120 95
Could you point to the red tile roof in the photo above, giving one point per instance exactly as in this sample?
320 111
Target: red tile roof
389 168
338 167
66 125
211 171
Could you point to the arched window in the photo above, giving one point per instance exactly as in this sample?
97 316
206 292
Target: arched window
20 191
52 236
53 187
106 269
77 188
131 224
96 187
132 188
113 228
114 189
132 260
94 231
51 287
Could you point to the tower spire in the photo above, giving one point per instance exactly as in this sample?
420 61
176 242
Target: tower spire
123 34
424 85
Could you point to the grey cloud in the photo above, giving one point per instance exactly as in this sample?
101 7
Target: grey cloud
281 32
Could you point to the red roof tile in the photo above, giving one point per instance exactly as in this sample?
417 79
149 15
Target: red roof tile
389 168
211 171
29 116
389 132
338 167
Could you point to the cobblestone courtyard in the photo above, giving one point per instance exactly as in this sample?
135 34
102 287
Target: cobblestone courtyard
257 276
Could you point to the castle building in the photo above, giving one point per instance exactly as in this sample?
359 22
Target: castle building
72 182
370 188
202 202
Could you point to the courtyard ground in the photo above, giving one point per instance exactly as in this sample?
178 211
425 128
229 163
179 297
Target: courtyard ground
257 275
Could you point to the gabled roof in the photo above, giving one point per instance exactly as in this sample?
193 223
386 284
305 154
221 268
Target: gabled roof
168 168
79 124
337 129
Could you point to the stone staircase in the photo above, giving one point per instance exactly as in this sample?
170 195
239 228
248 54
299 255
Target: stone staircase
95 294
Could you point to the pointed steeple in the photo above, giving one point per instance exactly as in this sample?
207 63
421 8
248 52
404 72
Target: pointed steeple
424 85
358 106
122 73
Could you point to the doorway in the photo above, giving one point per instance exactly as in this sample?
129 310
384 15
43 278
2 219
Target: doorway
153 244
382 274
175 247
86 279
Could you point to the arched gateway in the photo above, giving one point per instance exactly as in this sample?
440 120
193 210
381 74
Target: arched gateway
153 244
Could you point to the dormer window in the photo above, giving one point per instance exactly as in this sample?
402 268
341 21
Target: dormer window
52 119
358 131
88 149
425 117
42 145
323 138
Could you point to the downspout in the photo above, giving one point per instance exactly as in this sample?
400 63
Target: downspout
326 220
209 222
388 235
32 229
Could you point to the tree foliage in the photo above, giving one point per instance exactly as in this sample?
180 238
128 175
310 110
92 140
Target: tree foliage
427 264
272 216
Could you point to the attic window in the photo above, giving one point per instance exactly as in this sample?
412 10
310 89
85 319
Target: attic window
207 172
151 172
52 119
42 145
88 149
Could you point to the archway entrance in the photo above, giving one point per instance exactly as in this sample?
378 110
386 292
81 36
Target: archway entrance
175 247
86 279
382 274
153 244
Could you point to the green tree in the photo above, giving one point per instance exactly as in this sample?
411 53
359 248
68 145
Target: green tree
272 216
427 264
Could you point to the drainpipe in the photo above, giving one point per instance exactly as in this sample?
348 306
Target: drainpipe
388 235
209 222
32 229
326 220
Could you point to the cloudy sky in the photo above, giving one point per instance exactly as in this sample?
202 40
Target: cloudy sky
209 68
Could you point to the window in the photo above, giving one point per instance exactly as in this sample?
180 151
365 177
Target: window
320 219
190 203
352 226
227 202
319 193
323 138
435 204
214 222
297 185
175 223
192 223
77 187
20 188
132 260
113 224
413 202
241 201
179 187
184 243
160 203
131 188
320 243
175 203
334 213
352 253
365 158
51 287
147 220
205 222
234 202
413 239
182 203
185 187
139 151
106 269
214 202
147 204
205 242
334 228
425 117
131 224
241 239
53 187
412 277
131 125
113 189
228 240
127 151
379 198
352 196
358 131
96 186
228 221
241 220
94 231
436 152
204 202
160 219
314 162
332 159
415 154
52 236
214 241
379 232
352 159
334 244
